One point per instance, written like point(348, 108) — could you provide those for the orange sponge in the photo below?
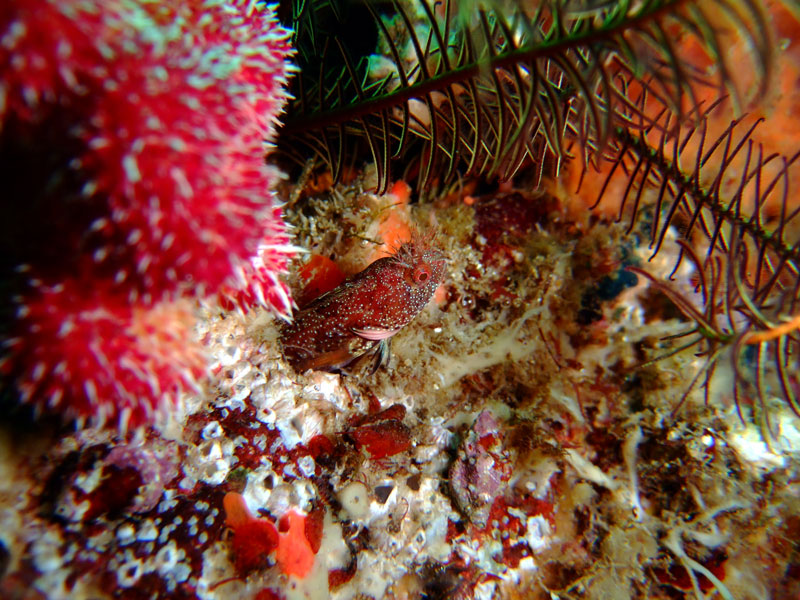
point(294, 555)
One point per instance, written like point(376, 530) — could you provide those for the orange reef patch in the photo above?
point(295, 555)
point(394, 228)
point(320, 275)
point(295, 542)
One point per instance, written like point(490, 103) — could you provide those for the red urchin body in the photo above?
point(91, 355)
point(171, 105)
point(138, 132)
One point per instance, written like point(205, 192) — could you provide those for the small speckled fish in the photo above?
point(364, 312)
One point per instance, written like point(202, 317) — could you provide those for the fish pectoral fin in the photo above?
point(371, 360)
point(375, 334)
point(383, 354)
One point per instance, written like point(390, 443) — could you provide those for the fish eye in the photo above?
point(421, 274)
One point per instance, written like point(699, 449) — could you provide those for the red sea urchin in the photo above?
point(138, 130)
point(90, 354)
point(172, 103)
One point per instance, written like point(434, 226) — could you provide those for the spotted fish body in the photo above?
point(365, 311)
